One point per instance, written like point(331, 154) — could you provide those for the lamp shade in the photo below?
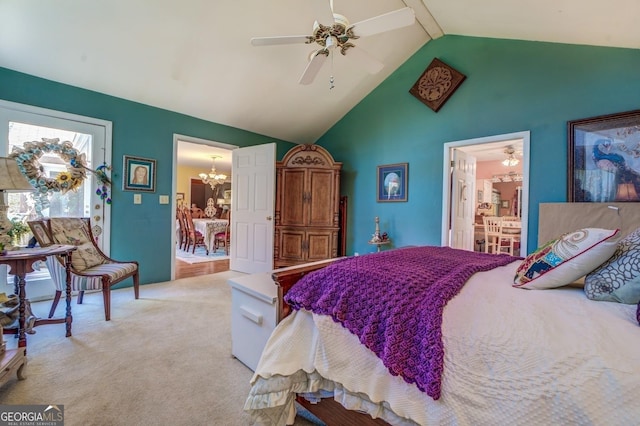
point(10, 177)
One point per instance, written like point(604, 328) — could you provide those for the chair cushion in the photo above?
point(115, 270)
point(73, 231)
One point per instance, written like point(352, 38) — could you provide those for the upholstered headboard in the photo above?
point(558, 218)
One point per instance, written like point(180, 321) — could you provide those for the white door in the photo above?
point(463, 178)
point(92, 137)
point(252, 208)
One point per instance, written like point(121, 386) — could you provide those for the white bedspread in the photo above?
point(512, 356)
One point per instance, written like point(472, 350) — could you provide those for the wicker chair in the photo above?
point(91, 269)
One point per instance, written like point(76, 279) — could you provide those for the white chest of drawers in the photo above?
point(254, 303)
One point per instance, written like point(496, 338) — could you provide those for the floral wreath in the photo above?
point(70, 180)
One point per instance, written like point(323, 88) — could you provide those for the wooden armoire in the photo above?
point(307, 219)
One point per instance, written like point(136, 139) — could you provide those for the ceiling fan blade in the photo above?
point(313, 67)
point(386, 22)
point(323, 10)
point(270, 41)
point(364, 59)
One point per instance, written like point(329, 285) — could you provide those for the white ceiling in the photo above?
point(194, 56)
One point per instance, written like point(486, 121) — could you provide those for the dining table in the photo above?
point(209, 227)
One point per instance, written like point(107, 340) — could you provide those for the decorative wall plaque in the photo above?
point(436, 84)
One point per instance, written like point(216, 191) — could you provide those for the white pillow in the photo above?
point(563, 260)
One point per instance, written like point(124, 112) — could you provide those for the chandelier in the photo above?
point(511, 159)
point(213, 178)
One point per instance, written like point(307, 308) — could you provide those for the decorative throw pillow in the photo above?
point(73, 231)
point(565, 259)
point(618, 279)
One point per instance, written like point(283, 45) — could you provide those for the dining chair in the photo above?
point(194, 236)
point(184, 228)
point(511, 231)
point(497, 240)
point(91, 269)
point(223, 238)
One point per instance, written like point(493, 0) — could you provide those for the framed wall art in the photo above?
point(39, 230)
point(604, 158)
point(392, 182)
point(436, 84)
point(139, 174)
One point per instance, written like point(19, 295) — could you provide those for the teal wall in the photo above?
point(140, 232)
point(511, 86)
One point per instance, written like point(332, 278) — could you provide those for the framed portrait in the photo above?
point(604, 158)
point(39, 230)
point(227, 196)
point(139, 174)
point(392, 182)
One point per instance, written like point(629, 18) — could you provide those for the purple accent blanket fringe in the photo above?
point(393, 301)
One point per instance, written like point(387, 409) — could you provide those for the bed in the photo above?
point(509, 356)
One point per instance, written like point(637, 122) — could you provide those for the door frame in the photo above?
point(525, 136)
point(177, 138)
point(106, 127)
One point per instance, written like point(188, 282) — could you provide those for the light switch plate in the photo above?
point(164, 199)
point(137, 198)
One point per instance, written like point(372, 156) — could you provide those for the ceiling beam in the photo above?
point(425, 18)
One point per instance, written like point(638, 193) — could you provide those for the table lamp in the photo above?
point(11, 180)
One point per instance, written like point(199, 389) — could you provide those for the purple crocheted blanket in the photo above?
point(393, 301)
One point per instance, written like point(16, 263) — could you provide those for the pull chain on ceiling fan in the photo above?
point(339, 35)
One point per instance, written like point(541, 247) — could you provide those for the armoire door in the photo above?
point(293, 205)
point(321, 205)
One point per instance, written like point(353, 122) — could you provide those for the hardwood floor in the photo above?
point(186, 270)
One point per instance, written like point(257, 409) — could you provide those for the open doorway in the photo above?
point(489, 186)
point(193, 156)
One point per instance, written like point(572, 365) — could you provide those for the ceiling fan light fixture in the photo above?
point(511, 159)
point(339, 34)
point(331, 42)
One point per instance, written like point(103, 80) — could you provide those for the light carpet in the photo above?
point(164, 359)
point(200, 255)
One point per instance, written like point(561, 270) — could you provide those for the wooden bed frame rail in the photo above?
point(285, 278)
point(327, 410)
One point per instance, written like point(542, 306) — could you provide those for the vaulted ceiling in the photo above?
point(195, 56)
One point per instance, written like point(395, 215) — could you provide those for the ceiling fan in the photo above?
point(333, 31)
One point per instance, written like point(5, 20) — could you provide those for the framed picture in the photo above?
point(180, 198)
point(392, 182)
point(227, 196)
point(139, 174)
point(604, 158)
point(436, 84)
point(40, 233)
point(504, 204)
